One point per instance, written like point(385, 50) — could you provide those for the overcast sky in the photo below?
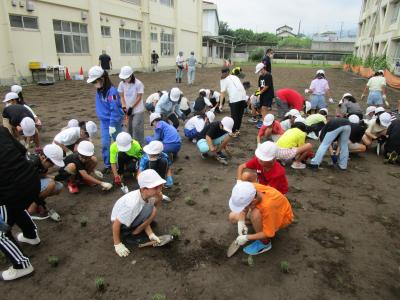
point(267, 15)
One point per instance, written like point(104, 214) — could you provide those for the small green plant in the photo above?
point(159, 296)
point(189, 201)
point(83, 221)
point(250, 261)
point(205, 189)
point(284, 266)
point(257, 54)
point(175, 232)
point(100, 284)
point(53, 261)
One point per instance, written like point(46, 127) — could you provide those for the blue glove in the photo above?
point(334, 159)
point(169, 182)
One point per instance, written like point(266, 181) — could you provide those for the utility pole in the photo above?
point(298, 31)
point(341, 29)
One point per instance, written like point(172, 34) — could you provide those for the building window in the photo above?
point(169, 3)
point(395, 12)
point(154, 36)
point(106, 31)
point(136, 2)
point(130, 41)
point(167, 44)
point(71, 37)
point(24, 22)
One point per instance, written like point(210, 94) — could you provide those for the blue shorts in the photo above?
point(44, 183)
point(318, 101)
point(202, 144)
point(375, 98)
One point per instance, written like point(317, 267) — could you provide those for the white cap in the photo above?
point(73, 123)
point(308, 106)
point(28, 126)
point(210, 115)
point(266, 151)
point(300, 119)
point(354, 119)
point(370, 109)
point(346, 95)
point(379, 110)
point(126, 72)
point(227, 124)
point(55, 154)
point(124, 141)
point(381, 71)
point(94, 73)
point(385, 119)
point(86, 148)
point(324, 109)
point(154, 116)
point(154, 148)
point(10, 96)
point(16, 88)
point(293, 112)
point(268, 119)
point(242, 194)
point(175, 94)
point(320, 72)
point(91, 128)
point(149, 179)
point(259, 67)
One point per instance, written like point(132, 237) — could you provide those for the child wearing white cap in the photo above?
point(215, 137)
point(316, 122)
point(78, 169)
point(271, 129)
point(154, 158)
point(70, 137)
point(269, 211)
point(169, 106)
point(319, 87)
point(196, 124)
point(125, 154)
point(358, 128)
point(16, 97)
point(133, 213)
point(348, 106)
point(289, 118)
point(377, 129)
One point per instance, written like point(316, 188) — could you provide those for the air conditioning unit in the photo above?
point(14, 3)
point(30, 6)
point(21, 3)
point(83, 15)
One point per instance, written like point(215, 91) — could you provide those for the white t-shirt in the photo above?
point(216, 96)
point(68, 136)
point(234, 88)
point(195, 122)
point(286, 124)
point(184, 105)
point(130, 91)
point(127, 208)
point(180, 60)
point(376, 83)
point(153, 98)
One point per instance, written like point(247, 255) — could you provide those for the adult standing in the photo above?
point(108, 110)
point(16, 172)
point(231, 85)
point(131, 92)
point(179, 67)
point(154, 61)
point(105, 61)
point(269, 54)
point(377, 89)
point(191, 61)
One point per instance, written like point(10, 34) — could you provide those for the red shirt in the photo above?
point(291, 97)
point(276, 129)
point(275, 177)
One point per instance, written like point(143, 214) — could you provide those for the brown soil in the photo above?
point(344, 243)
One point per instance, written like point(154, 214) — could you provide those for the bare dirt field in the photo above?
point(344, 243)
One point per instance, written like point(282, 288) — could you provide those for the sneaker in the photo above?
point(40, 214)
point(53, 215)
point(259, 124)
point(72, 187)
point(313, 166)
point(12, 273)
point(298, 165)
point(204, 155)
point(222, 158)
point(392, 158)
point(22, 239)
point(166, 199)
point(253, 120)
point(257, 247)
point(235, 134)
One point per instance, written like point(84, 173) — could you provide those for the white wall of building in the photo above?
point(210, 23)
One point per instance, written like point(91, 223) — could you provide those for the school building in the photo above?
point(73, 33)
point(379, 30)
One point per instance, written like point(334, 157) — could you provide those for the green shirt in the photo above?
point(134, 151)
point(315, 119)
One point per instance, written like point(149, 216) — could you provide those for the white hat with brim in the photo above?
point(154, 116)
point(266, 151)
point(370, 109)
point(28, 127)
point(154, 148)
point(10, 96)
point(86, 148)
point(94, 73)
point(379, 110)
point(354, 119)
point(149, 179)
point(268, 120)
point(16, 88)
point(385, 119)
point(55, 154)
point(259, 67)
point(227, 124)
point(242, 194)
point(175, 94)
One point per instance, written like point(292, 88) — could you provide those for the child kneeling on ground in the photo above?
point(269, 211)
point(196, 124)
point(79, 166)
point(133, 213)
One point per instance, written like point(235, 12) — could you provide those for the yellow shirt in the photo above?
point(292, 138)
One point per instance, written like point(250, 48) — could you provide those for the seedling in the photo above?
point(205, 189)
point(250, 261)
point(83, 221)
point(159, 296)
point(100, 284)
point(284, 266)
point(175, 232)
point(53, 261)
point(189, 201)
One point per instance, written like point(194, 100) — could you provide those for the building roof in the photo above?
point(285, 26)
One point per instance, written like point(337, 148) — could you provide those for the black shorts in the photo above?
point(266, 101)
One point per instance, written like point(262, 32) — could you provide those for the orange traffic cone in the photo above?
point(67, 76)
point(81, 71)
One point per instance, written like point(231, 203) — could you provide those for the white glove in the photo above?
point(331, 100)
point(112, 130)
point(241, 240)
point(98, 173)
point(155, 238)
point(106, 186)
point(242, 228)
point(68, 152)
point(121, 250)
point(306, 91)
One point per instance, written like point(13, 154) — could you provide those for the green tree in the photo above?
point(224, 29)
point(294, 42)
